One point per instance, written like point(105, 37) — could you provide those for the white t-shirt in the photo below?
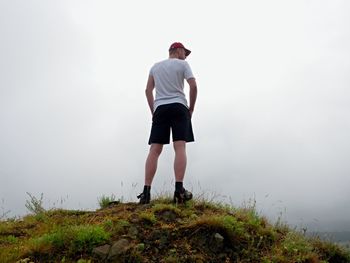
point(169, 76)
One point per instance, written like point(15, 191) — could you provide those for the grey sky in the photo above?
point(271, 122)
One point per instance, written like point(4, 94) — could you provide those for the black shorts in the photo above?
point(175, 117)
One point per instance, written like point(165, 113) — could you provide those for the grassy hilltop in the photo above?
point(199, 231)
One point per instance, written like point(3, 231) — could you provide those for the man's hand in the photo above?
point(193, 93)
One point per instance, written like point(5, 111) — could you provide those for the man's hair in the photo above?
point(172, 51)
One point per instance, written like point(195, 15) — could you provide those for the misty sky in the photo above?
point(272, 116)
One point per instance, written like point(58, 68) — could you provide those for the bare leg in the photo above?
point(180, 160)
point(151, 162)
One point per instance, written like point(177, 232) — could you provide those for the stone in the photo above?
point(134, 220)
point(118, 248)
point(218, 242)
point(133, 232)
point(101, 251)
point(218, 237)
point(169, 216)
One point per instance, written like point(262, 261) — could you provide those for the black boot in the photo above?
point(145, 196)
point(181, 196)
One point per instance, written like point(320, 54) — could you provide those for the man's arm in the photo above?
point(149, 93)
point(193, 93)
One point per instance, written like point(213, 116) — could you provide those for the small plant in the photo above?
point(35, 205)
point(164, 198)
point(104, 201)
point(296, 246)
point(12, 239)
point(121, 224)
point(87, 236)
point(165, 207)
point(108, 224)
point(75, 239)
point(330, 251)
point(48, 242)
point(148, 217)
point(115, 226)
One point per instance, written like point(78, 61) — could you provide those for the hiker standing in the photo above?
point(170, 111)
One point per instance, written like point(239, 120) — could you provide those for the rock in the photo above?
point(118, 248)
point(101, 251)
point(133, 232)
point(218, 237)
point(134, 220)
point(218, 242)
point(167, 216)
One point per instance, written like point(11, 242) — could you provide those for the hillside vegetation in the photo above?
point(199, 231)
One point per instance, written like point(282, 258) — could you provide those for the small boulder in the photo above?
point(101, 251)
point(218, 242)
point(167, 215)
point(118, 248)
point(133, 232)
point(218, 238)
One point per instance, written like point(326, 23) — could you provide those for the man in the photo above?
point(170, 111)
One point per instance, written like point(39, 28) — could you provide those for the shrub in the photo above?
point(104, 201)
point(35, 205)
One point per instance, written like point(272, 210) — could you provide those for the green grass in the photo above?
point(160, 232)
point(105, 201)
point(69, 240)
point(148, 217)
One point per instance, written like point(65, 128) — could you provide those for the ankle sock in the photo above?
point(178, 186)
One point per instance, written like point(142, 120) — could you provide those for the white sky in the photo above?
point(272, 116)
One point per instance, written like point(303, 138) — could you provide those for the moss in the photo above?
point(148, 217)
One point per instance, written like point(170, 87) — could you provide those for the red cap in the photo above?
point(179, 45)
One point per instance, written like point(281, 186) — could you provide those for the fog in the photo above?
point(271, 122)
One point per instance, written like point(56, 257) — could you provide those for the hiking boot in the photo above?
point(180, 197)
point(145, 196)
